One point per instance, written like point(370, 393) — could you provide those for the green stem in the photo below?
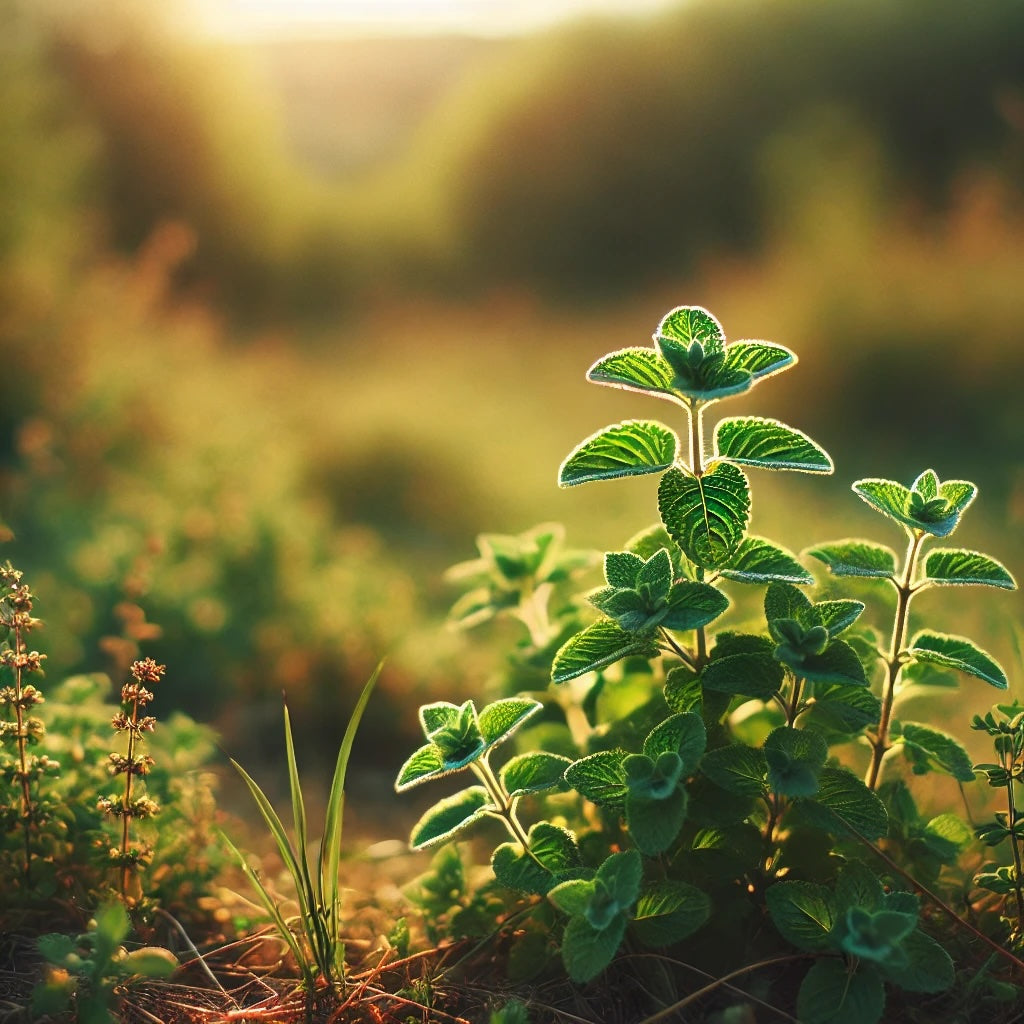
point(682, 653)
point(22, 735)
point(894, 663)
point(794, 705)
point(696, 411)
point(506, 811)
point(1014, 842)
point(125, 816)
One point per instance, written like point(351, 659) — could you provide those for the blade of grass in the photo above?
point(314, 922)
point(275, 914)
point(277, 830)
point(330, 846)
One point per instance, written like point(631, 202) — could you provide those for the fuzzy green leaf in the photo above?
point(835, 616)
point(682, 734)
point(927, 505)
point(426, 763)
point(857, 558)
point(600, 644)
point(622, 567)
point(692, 605)
point(737, 769)
point(669, 911)
point(769, 444)
point(756, 675)
point(439, 715)
point(929, 749)
point(804, 914)
point(846, 708)
point(795, 758)
point(956, 567)
point(832, 993)
point(654, 824)
point(707, 516)
point(621, 873)
point(842, 799)
point(838, 663)
point(759, 358)
point(449, 816)
point(759, 561)
point(599, 778)
point(587, 951)
point(573, 896)
point(635, 369)
point(554, 847)
point(534, 772)
point(858, 886)
point(784, 601)
point(631, 448)
point(648, 542)
point(957, 652)
point(687, 324)
point(929, 967)
point(499, 720)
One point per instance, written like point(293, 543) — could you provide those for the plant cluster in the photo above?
point(686, 793)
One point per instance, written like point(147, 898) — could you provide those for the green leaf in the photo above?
point(534, 773)
point(957, 652)
point(804, 914)
point(784, 601)
point(499, 720)
point(631, 448)
point(858, 886)
point(847, 708)
point(692, 605)
point(929, 967)
point(857, 558)
point(877, 935)
point(426, 763)
point(706, 515)
point(687, 324)
point(929, 749)
point(635, 369)
point(439, 715)
point(769, 444)
point(654, 824)
point(587, 951)
point(149, 962)
point(756, 675)
point(759, 561)
point(927, 506)
point(599, 778)
point(842, 800)
point(737, 769)
point(621, 873)
point(832, 993)
point(599, 645)
point(621, 567)
point(835, 616)
point(759, 358)
point(838, 663)
point(668, 912)
point(956, 567)
point(554, 847)
point(794, 757)
point(682, 734)
point(573, 896)
point(449, 816)
point(653, 539)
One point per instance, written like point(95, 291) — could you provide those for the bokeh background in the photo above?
point(292, 306)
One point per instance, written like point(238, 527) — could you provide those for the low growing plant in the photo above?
point(315, 938)
point(693, 785)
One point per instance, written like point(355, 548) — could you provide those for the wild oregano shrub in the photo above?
point(680, 785)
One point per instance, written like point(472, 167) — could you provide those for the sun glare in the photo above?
point(490, 17)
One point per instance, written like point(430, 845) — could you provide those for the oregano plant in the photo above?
point(682, 781)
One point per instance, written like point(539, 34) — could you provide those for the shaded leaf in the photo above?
point(692, 605)
point(554, 847)
point(599, 778)
point(929, 967)
point(654, 824)
point(682, 734)
point(804, 914)
point(842, 799)
point(737, 769)
point(838, 663)
point(631, 448)
point(500, 719)
point(587, 951)
point(669, 911)
point(929, 749)
point(832, 993)
point(756, 675)
point(769, 444)
point(957, 652)
point(621, 567)
point(794, 758)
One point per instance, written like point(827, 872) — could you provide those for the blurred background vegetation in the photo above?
point(285, 322)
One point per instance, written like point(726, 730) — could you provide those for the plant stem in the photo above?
point(19, 711)
point(794, 705)
point(483, 771)
point(126, 803)
point(683, 654)
point(894, 664)
point(696, 411)
point(1014, 842)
